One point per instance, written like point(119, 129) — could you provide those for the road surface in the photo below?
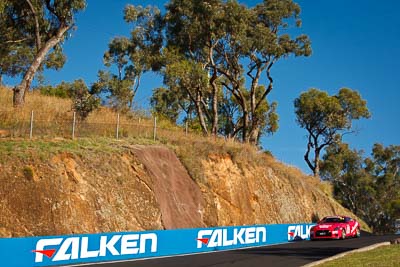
point(285, 255)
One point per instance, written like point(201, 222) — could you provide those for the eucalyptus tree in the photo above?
point(32, 32)
point(235, 44)
point(193, 29)
point(132, 56)
point(384, 167)
point(257, 36)
point(187, 78)
point(369, 187)
point(225, 50)
point(326, 118)
point(345, 169)
point(165, 104)
point(14, 55)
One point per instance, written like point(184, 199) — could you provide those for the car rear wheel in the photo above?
point(343, 234)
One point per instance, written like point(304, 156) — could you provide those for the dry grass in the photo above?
point(47, 108)
point(326, 187)
point(53, 118)
point(385, 256)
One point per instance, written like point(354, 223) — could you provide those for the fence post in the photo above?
point(117, 126)
point(73, 126)
point(155, 129)
point(186, 128)
point(31, 128)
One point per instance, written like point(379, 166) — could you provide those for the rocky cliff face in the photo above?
point(147, 187)
point(261, 195)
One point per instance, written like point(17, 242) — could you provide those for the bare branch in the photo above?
point(306, 156)
point(53, 11)
point(16, 41)
point(270, 85)
point(37, 26)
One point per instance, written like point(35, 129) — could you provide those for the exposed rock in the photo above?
point(4, 232)
point(147, 187)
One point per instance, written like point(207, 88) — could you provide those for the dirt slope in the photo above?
point(179, 197)
point(146, 187)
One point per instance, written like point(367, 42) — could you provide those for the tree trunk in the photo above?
point(201, 115)
point(254, 135)
point(307, 156)
point(214, 106)
point(20, 90)
point(213, 78)
point(245, 125)
point(316, 163)
point(255, 127)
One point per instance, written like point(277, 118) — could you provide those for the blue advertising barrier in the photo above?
point(74, 249)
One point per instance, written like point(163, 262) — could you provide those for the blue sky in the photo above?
point(356, 44)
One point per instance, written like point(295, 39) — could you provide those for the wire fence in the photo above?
point(19, 124)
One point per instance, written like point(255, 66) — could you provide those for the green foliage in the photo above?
point(56, 59)
point(220, 36)
point(28, 173)
point(83, 101)
point(188, 86)
point(326, 118)
point(25, 28)
point(132, 57)
point(31, 34)
point(164, 104)
point(118, 91)
point(61, 90)
point(13, 53)
point(369, 187)
point(200, 47)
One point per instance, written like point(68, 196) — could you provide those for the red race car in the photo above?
point(335, 227)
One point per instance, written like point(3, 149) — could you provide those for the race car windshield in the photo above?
point(332, 220)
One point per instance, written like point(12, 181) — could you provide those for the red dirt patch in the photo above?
point(179, 197)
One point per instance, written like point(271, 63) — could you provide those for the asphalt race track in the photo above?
point(285, 255)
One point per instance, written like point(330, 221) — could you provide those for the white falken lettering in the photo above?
point(62, 253)
point(104, 245)
point(227, 237)
point(73, 248)
point(302, 231)
point(85, 253)
point(42, 243)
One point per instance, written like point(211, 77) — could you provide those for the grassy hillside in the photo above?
point(240, 185)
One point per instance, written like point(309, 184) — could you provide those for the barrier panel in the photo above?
point(86, 248)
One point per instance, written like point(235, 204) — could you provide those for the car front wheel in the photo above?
point(358, 233)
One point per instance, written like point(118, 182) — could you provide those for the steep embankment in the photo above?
point(79, 188)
